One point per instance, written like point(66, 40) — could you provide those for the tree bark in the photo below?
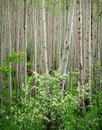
point(67, 42)
point(44, 56)
point(10, 46)
point(80, 55)
point(25, 42)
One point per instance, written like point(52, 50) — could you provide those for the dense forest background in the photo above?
point(50, 65)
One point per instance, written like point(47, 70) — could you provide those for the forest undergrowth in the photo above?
point(40, 105)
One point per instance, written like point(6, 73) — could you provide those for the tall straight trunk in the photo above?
point(84, 37)
point(10, 45)
point(21, 46)
point(40, 40)
point(98, 33)
point(80, 56)
point(65, 53)
point(90, 47)
point(17, 49)
point(1, 57)
point(35, 36)
point(25, 42)
point(52, 50)
point(49, 39)
point(44, 57)
point(67, 42)
point(60, 34)
point(35, 43)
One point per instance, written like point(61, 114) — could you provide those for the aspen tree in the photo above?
point(35, 35)
point(25, 42)
point(65, 52)
point(1, 56)
point(90, 47)
point(92, 36)
point(100, 45)
point(98, 31)
point(65, 16)
point(80, 57)
point(57, 45)
point(60, 33)
point(21, 44)
point(10, 45)
point(49, 38)
point(100, 41)
point(40, 39)
point(84, 37)
point(53, 34)
point(17, 48)
point(44, 57)
point(35, 41)
point(74, 64)
point(86, 40)
point(67, 42)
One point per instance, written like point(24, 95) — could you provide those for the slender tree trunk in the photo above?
point(35, 36)
point(35, 42)
point(17, 50)
point(67, 42)
point(84, 38)
point(60, 34)
point(10, 46)
point(98, 33)
point(90, 48)
point(44, 58)
point(1, 57)
point(25, 42)
point(80, 56)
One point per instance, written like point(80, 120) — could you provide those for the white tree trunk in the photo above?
point(44, 57)
point(10, 46)
point(17, 49)
point(35, 38)
point(80, 55)
point(25, 42)
point(90, 49)
point(1, 56)
point(67, 42)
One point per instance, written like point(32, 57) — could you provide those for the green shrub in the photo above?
point(46, 110)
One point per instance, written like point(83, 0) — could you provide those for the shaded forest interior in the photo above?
point(50, 65)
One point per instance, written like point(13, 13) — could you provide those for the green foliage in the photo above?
point(14, 58)
point(91, 120)
point(46, 109)
point(28, 64)
point(97, 76)
point(5, 70)
point(68, 112)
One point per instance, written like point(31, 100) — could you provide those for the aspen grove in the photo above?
point(50, 65)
